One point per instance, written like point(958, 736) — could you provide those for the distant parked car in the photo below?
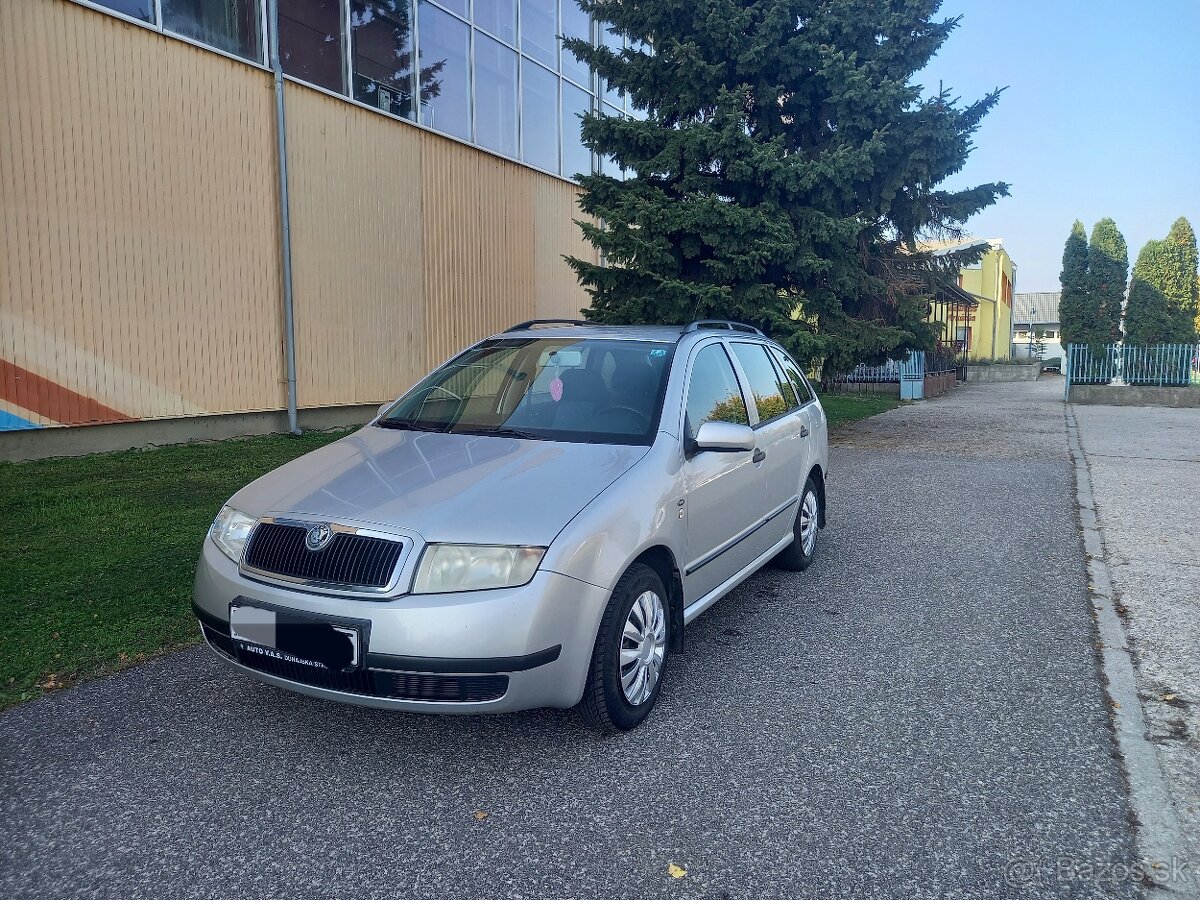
point(532, 525)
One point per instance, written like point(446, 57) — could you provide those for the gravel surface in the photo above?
point(1145, 470)
point(919, 715)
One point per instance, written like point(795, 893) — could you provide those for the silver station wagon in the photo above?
point(532, 525)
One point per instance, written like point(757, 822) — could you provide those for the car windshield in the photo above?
point(558, 389)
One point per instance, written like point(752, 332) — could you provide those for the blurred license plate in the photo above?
point(294, 637)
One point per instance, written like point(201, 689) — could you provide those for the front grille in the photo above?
point(350, 559)
point(392, 685)
point(356, 682)
point(447, 688)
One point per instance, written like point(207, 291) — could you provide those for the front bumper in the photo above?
point(519, 648)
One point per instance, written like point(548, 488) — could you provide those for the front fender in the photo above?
point(638, 511)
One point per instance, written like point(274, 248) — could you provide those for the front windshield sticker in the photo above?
point(658, 353)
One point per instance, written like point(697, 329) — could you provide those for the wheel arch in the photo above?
point(818, 477)
point(660, 558)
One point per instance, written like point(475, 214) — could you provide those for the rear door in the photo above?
point(813, 415)
point(781, 432)
point(725, 491)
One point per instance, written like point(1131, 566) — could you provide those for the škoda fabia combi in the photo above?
point(532, 525)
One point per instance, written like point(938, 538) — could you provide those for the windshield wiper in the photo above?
point(502, 431)
point(412, 425)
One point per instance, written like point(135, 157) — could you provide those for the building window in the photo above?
point(575, 24)
point(310, 42)
point(498, 18)
point(462, 79)
point(230, 25)
point(382, 61)
point(495, 95)
point(445, 44)
point(539, 31)
point(615, 43)
point(135, 9)
point(576, 158)
point(539, 116)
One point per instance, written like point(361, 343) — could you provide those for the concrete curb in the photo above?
point(1158, 834)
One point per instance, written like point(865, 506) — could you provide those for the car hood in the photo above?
point(460, 488)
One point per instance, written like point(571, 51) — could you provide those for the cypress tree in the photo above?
point(1147, 311)
point(1180, 282)
point(1108, 273)
point(782, 171)
point(1073, 312)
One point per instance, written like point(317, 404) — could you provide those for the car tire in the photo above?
point(612, 699)
point(798, 555)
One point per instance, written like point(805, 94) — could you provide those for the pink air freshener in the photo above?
point(556, 389)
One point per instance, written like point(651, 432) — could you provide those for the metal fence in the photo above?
point(887, 373)
point(1160, 365)
point(909, 373)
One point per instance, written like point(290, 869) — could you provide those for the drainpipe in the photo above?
point(996, 304)
point(289, 321)
point(1012, 316)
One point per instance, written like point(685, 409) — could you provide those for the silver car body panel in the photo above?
point(596, 507)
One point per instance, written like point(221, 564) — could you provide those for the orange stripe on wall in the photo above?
point(53, 401)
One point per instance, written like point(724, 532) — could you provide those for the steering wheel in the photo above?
point(643, 419)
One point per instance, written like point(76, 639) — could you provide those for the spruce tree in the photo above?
point(1147, 311)
point(1073, 312)
point(1180, 282)
point(1108, 273)
point(782, 171)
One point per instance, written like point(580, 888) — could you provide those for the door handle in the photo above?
point(758, 456)
point(803, 431)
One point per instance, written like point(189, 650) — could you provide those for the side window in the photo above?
point(714, 394)
point(771, 398)
point(803, 389)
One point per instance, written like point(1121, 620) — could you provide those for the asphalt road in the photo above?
point(918, 715)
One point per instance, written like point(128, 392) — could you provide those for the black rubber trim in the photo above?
point(490, 665)
point(772, 517)
point(209, 620)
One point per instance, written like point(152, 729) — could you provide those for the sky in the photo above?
point(1101, 117)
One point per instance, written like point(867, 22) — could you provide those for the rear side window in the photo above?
point(773, 396)
point(713, 392)
point(803, 388)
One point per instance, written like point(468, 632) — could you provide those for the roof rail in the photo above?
point(525, 326)
point(721, 323)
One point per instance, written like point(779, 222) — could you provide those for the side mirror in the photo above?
point(724, 437)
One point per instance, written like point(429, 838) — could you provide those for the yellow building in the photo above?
point(984, 331)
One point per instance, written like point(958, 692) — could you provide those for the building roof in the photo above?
point(1038, 307)
point(942, 248)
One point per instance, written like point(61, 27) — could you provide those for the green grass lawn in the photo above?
point(98, 573)
point(97, 570)
point(841, 409)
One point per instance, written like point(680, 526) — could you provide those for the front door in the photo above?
point(725, 490)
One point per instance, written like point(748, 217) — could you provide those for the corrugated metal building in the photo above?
point(141, 273)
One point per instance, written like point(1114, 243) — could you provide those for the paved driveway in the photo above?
point(919, 715)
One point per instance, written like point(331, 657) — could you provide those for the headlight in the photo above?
point(473, 567)
point(230, 531)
